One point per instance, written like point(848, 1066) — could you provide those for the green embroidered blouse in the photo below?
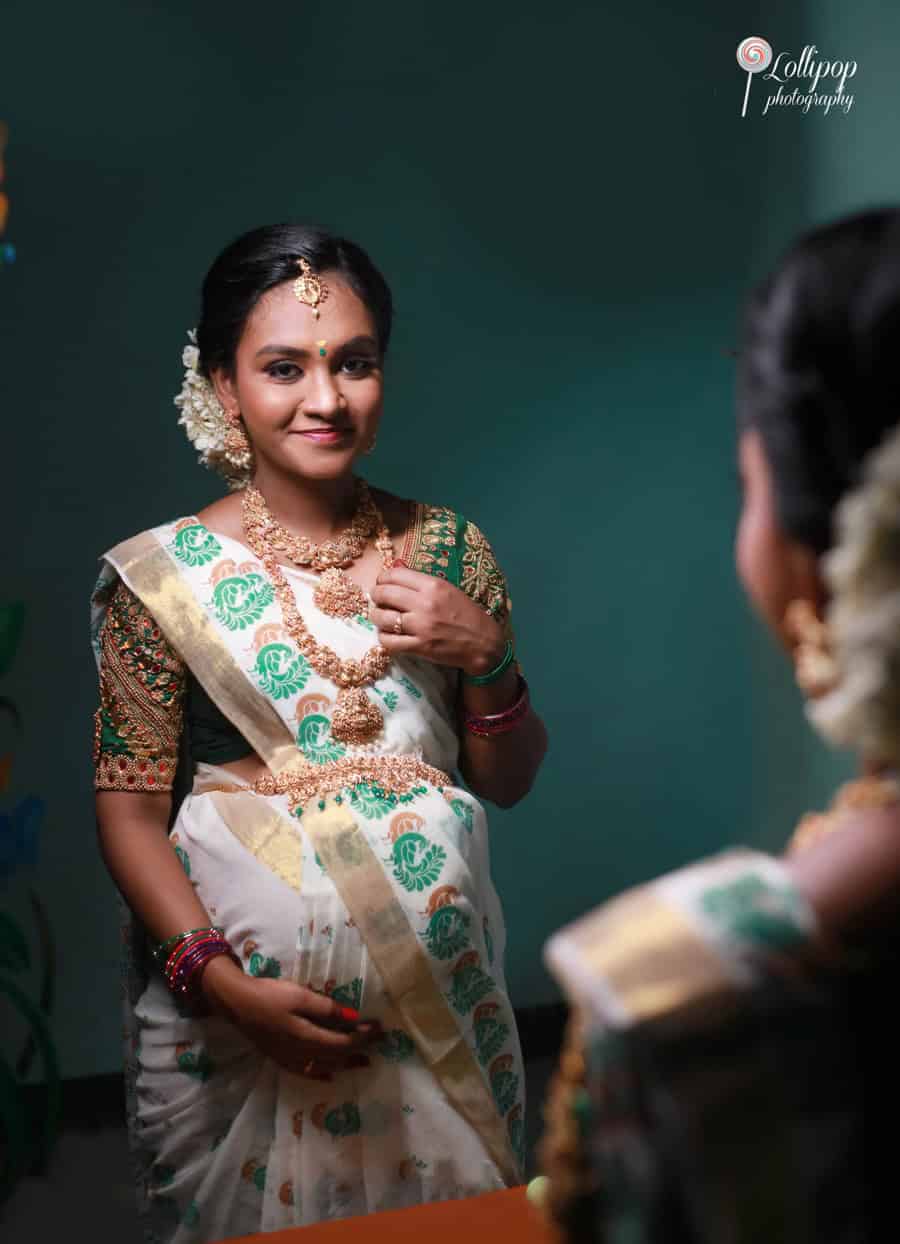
point(154, 717)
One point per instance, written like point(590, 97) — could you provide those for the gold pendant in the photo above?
point(337, 595)
point(355, 718)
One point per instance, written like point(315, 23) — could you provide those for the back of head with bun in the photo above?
point(819, 369)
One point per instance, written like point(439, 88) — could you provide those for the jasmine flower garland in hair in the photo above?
point(203, 418)
point(863, 576)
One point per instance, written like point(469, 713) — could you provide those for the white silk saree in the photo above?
point(376, 891)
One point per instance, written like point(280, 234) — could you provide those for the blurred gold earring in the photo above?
point(237, 447)
point(815, 668)
point(371, 448)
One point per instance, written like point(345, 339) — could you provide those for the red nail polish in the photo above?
point(348, 1014)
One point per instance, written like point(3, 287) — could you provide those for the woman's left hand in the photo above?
point(439, 621)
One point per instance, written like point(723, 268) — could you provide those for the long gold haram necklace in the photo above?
point(355, 719)
point(335, 594)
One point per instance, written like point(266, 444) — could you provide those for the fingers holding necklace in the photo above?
point(396, 597)
point(394, 609)
point(393, 633)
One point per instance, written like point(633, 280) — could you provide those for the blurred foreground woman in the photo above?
point(726, 1069)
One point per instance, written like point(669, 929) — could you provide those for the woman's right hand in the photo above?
point(301, 1030)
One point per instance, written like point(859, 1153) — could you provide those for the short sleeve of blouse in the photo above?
point(446, 544)
point(138, 725)
point(481, 577)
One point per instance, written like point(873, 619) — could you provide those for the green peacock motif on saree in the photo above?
point(343, 1120)
point(315, 741)
point(470, 983)
point(395, 1046)
point(447, 932)
point(371, 801)
point(490, 1032)
point(410, 686)
point(239, 600)
point(349, 994)
point(194, 1063)
point(194, 545)
point(755, 911)
point(390, 698)
point(464, 811)
point(254, 1172)
point(515, 1127)
point(281, 672)
point(263, 966)
point(504, 1083)
point(417, 862)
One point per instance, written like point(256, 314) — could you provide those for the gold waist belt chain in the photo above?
point(395, 779)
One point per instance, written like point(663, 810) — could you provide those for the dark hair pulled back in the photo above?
point(819, 369)
point(263, 258)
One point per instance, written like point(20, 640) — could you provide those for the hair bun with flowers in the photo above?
point(863, 576)
point(204, 420)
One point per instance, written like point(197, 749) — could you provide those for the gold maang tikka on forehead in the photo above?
point(309, 288)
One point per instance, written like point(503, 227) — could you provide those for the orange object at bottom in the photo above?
point(495, 1216)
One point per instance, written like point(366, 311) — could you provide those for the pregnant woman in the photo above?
point(290, 679)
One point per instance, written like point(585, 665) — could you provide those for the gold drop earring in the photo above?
point(815, 667)
point(237, 447)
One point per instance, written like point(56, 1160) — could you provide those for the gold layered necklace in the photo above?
point(336, 594)
point(355, 719)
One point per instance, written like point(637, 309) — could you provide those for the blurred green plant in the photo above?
point(25, 1141)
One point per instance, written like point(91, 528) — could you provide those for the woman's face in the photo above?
point(773, 568)
point(309, 390)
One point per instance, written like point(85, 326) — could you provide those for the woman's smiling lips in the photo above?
point(325, 436)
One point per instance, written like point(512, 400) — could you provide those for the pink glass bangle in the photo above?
point(166, 948)
point(200, 938)
point(191, 957)
point(487, 725)
point(185, 964)
point(186, 982)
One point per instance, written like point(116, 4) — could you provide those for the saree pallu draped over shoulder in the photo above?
point(712, 1078)
point(376, 890)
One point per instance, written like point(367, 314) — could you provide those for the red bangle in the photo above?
point(190, 955)
point(186, 945)
point(485, 726)
point(186, 981)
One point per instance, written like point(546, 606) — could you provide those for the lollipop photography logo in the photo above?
point(803, 81)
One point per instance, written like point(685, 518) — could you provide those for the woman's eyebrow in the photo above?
point(295, 352)
point(291, 351)
point(362, 342)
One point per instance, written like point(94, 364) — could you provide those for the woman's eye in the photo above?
point(283, 370)
point(357, 366)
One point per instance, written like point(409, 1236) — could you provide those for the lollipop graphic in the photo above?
point(754, 54)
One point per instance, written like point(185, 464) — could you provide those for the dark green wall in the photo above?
point(569, 208)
